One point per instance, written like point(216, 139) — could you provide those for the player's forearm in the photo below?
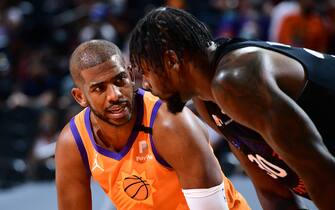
point(271, 201)
point(70, 204)
point(74, 206)
point(321, 192)
point(280, 206)
point(73, 197)
point(310, 160)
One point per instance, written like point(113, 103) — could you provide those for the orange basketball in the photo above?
point(136, 188)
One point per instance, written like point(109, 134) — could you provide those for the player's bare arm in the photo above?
point(183, 134)
point(246, 89)
point(271, 195)
point(198, 170)
point(72, 180)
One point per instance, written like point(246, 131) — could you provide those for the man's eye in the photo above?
point(97, 89)
point(120, 81)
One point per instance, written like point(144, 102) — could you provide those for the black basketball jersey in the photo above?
point(317, 100)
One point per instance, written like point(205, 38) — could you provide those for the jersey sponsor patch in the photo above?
point(143, 154)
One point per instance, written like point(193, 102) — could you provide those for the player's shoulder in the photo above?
point(69, 159)
point(65, 138)
point(181, 133)
point(165, 119)
point(66, 132)
point(241, 55)
point(239, 66)
point(184, 122)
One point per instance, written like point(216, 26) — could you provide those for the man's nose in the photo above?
point(145, 84)
point(113, 92)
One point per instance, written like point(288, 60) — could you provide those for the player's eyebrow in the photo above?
point(96, 83)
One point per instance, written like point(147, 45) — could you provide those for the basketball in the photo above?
point(136, 188)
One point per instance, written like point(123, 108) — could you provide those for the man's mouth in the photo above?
point(119, 110)
point(117, 107)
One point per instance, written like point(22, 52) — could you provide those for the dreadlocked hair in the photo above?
point(164, 29)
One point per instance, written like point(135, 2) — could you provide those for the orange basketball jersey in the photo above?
point(136, 177)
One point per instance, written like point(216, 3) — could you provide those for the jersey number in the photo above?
point(271, 169)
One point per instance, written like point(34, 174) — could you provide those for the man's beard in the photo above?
point(175, 103)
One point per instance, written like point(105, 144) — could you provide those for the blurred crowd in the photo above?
point(37, 37)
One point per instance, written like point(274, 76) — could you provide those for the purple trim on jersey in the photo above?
point(80, 145)
point(131, 139)
point(152, 120)
point(140, 91)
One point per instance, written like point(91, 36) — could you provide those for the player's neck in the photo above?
point(200, 79)
point(112, 137)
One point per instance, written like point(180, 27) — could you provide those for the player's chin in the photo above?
point(161, 95)
point(120, 121)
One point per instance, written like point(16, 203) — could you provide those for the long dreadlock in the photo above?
point(164, 29)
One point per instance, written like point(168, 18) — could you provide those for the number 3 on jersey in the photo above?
point(271, 169)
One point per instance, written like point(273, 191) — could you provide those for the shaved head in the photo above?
point(90, 54)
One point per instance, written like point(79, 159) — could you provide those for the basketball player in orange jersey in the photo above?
point(142, 156)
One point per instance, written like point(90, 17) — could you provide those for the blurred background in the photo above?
point(37, 38)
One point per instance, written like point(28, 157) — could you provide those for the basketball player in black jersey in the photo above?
point(273, 103)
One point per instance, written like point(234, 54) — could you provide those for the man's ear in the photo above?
point(171, 60)
point(79, 96)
